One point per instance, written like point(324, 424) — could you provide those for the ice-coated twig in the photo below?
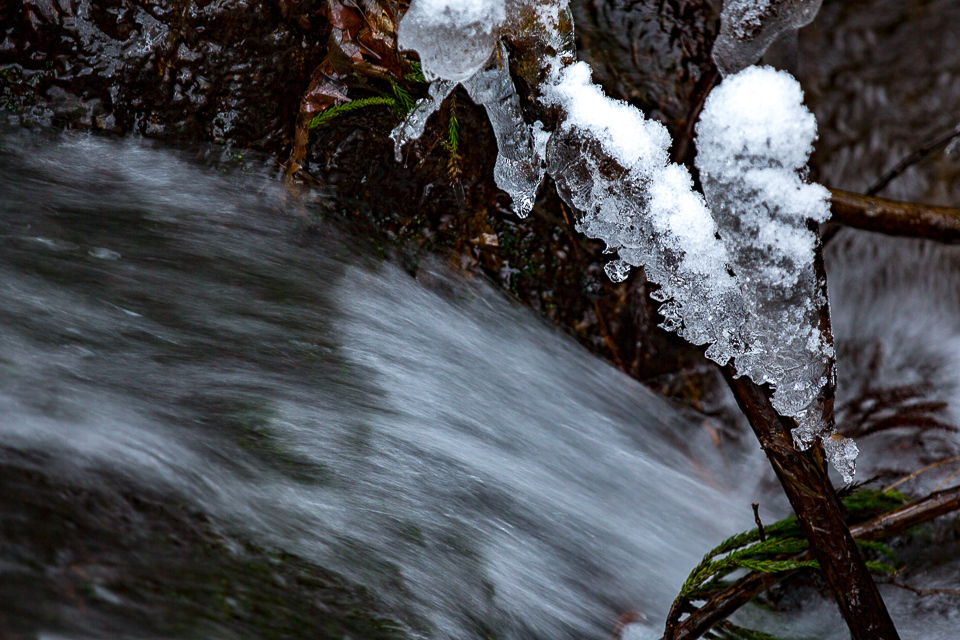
point(753, 140)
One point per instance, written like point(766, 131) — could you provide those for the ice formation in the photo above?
point(519, 168)
point(749, 27)
point(735, 270)
point(453, 37)
point(753, 140)
point(611, 164)
point(436, 30)
point(415, 123)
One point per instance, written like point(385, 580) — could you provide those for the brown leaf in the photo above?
point(324, 92)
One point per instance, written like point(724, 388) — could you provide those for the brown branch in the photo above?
point(804, 479)
point(895, 218)
point(933, 465)
point(907, 516)
point(724, 603)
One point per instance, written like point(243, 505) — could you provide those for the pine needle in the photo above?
point(324, 117)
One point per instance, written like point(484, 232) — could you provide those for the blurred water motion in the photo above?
point(176, 333)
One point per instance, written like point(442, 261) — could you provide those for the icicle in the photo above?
point(749, 27)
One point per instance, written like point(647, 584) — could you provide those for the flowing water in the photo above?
point(421, 436)
point(191, 334)
point(203, 386)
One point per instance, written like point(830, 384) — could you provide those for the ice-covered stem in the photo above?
point(802, 473)
point(804, 479)
point(753, 141)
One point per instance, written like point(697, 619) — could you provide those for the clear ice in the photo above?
point(749, 27)
point(415, 123)
point(735, 267)
point(753, 142)
point(454, 38)
point(458, 43)
point(519, 169)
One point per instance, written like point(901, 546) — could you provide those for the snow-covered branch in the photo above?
point(735, 270)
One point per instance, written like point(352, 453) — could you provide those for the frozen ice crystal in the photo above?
point(415, 123)
point(454, 38)
point(749, 27)
point(842, 453)
point(617, 270)
point(611, 164)
point(457, 43)
point(753, 141)
point(519, 168)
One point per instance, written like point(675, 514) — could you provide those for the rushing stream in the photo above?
point(420, 436)
point(190, 338)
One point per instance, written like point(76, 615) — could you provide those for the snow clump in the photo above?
point(754, 139)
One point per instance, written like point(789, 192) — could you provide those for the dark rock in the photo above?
point(225, 71)
point(236, 72)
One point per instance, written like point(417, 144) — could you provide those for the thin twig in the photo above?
point(912, 159)
point(948, 479)
point(756, 518)
point(916, 473)
point(923, 592)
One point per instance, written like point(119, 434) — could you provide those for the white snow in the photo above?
point(753, 139)
point(734, 268)
point(622, 130)
point(645, 209)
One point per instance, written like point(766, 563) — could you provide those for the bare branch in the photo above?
point(913, 158)
point(895, 218)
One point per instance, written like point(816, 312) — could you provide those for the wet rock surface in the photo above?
point(236, 72)
point(225, 71)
